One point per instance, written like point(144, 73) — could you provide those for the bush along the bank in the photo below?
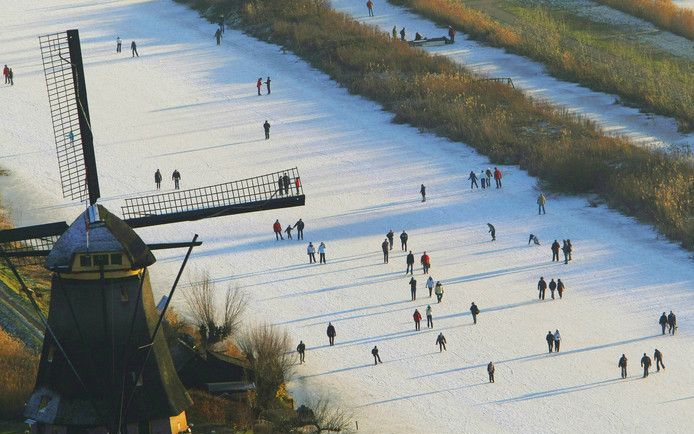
point(434, 93)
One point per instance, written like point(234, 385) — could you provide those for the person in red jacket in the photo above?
point(6, 73)
point(277, 227)
point(259, 84)
point(417, 318)
point(497, 177)
point(426, 262)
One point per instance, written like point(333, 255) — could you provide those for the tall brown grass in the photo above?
point(18, 366)
point(434, 93)
point(663, 13)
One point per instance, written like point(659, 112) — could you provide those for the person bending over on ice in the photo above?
point(492, 231)
point(377, 358)
point(533, 238)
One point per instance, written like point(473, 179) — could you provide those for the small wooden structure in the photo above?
point(427, 42)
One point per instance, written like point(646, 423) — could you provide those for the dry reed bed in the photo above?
point(662, 13)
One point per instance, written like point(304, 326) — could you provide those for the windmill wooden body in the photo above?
point(104, 367)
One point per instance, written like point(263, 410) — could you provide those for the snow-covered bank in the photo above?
point(647, 129)
point(190, 105)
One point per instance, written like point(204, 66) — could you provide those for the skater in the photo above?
point(417, 319)
point(474, 310)
point(6, 74)
point(267, 84)
point(533, 238)
point(473, 180)
point(658, 357)
point(560, 288)
point(410, 263)
point(672, 323)
point(430, 285)
point(413, 288)
point(550, 340)
point(565, 250)
point(541, 200)
point(11, 77)
point(321, 252)
point(370, 6)
point(417, 36)
point(645, 363)
point(277, 227)
point(384, 247)
point(402, 38)
point(288, 231)
point(552, 288)
point(395, 32)
point(377, 358)
point(301, 349)
point(492, 231)
point(133, 48)
point(285, 183)
point(541, 287)
point(280, 186)
point(483, 180)
point(490, 371)
point(297, 184)
point(157, 179)
point(266, 127)
point(430, 317)
point(438, 290)
point(299, 229)
point(426, 262)
point(218, 36)
point(390, 235)
point(488, 174)
point(423, 192)
point(663, 321)
point(119, 44)
point(259, 85)
point(403, 241)
point(331, 331)
point(451, 34)
point(176, 176)
point(311, 251)
point(441, 342)
point(497, 177)
point(557, 340)
point(623, 364)
point(555, 251)
point(569, 248)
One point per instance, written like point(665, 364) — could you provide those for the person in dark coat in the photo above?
point(541, 287)
point(285, 183)
point(119, 44)
point(663, 321)
point(390, 235)
point(403, 241)
point(384, 247)
point(623, 364)
point(645, 363)
point(402, 38)
point(451, 34)
point(288, 231)
point(552, 288)
point(492, 231)
point(533, 238)
point(672, 323)
point(377, 358)
point(658, 357)
point(301, 349)
point(266, 127)
point(474, 310)
point(280, 186)
point(413, 288)
point(157, 180)
point(560, 287)
point(550, 341)
point(473, 180)
point(565, 249)
point(417, 319)
point(418, 37)
point(218, 36)
point(423, 192)
point(555, 251)
point(176, 176)
point(331, 333)
point(490, 371)
point(410, 263)
point(569, 248)
point(441, 342)
point(133, 48)
point(299, 229)
point(267, 85)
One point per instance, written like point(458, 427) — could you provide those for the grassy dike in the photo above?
point(662, 13)
point(433, 93)
point(571, 48)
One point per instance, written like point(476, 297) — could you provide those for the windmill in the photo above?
point(104, 366)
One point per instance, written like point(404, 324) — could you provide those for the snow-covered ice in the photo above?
point(190, 105)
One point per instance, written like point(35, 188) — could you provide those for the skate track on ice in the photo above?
point(190, 105)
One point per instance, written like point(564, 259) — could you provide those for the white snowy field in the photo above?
point(644, 128)
point(187, 104)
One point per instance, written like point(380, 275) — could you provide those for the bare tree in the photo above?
point(269, 352)
point(329, 416)
point(215, 322)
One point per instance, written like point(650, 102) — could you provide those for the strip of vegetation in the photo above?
point(511, 128)
point(663, 13)
point(567, 45)
point(18, 365)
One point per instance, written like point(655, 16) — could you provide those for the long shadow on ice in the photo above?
point(418, 395)
point(561, 391)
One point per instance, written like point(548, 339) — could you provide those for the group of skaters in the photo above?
point(669, 321)
point(259, 85)
point(565, 247)
point(485, 178)
point(646, 363)
point(553, 286)
point(553, 341)
point(417, 36)
point(175, 177)
point(133, 47)
point(283, 183)
point(299, 226)
point(9, 75)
